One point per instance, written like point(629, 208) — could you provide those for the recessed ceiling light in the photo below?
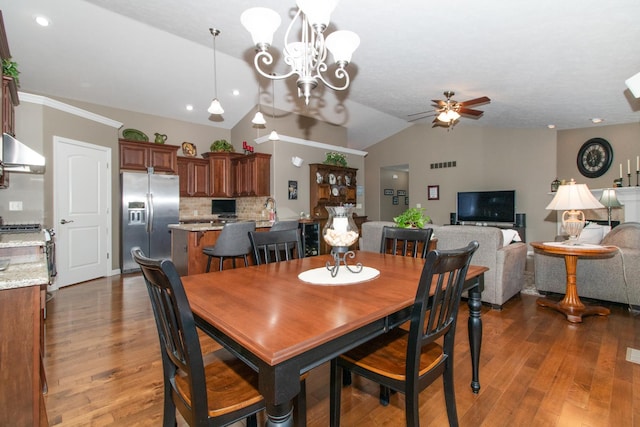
point(42, 20)
point(597, 120)
point(189, 107)
point(551, 126)
point(236, 92)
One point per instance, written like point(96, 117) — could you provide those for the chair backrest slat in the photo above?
point(405, 241)
point(276, 246)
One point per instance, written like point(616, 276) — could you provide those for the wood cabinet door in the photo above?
point(221, 180)
point(184, 172)
point(134, 156)
point(163, 158)
point(200, 178)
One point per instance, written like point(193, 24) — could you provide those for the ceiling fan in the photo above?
point(447, 113)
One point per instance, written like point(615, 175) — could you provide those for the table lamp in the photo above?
point(609, 200)
point(571, 198)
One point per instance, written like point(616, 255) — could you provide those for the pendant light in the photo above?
point(215, 107)
point(273, 136)
point(258, 119)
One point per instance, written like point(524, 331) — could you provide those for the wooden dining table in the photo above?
point(284, 327)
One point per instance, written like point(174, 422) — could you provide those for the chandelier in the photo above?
point(307, 56)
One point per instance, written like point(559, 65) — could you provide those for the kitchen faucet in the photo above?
point(273, 208)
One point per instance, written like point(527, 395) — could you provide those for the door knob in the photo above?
point(64, 221)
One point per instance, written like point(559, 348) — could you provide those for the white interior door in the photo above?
point(82, 213)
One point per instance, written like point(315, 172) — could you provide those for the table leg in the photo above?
point(571, 306)
point(474, 325)
point(279, 386)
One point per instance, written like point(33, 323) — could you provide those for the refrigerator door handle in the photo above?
point(150, 212)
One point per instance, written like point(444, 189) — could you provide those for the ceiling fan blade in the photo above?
point(417, 114)
point(476, 101)
point(470, 112)
point(415, 119)
point(439, 102)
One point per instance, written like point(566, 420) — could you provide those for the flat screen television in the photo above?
point(223, 207)
point(486, 206)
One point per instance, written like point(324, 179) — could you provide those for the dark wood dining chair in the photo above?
point(408, 361)
point(405, 241)
point(276, 246)
point(223, 391)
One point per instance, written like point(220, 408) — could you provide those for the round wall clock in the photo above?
point(595, 157)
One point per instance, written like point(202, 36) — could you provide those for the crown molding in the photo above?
point(315, 144)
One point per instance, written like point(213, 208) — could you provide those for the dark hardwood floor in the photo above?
point(103, 367)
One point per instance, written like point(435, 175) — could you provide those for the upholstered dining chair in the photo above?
point(231, 243)
point(405, 241)
point(276, 246)
point(223, 391)
point(408, 361)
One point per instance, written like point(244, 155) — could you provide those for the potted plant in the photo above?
point(412, 218)
point(221, 145)
point(336, 159)
point(10, 69)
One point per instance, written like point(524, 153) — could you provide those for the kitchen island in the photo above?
point(189, 239)
point(23, 283)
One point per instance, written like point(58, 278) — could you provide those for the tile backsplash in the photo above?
point(246, 207)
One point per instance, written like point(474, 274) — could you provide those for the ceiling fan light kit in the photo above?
point(307, 57)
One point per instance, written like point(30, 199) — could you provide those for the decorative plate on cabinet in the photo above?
point(134, 135)
point(189, 150)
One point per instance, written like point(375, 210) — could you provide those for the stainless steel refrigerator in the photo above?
point(150, 202)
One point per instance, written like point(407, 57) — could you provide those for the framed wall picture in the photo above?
point(388, 191)
point(406, 200)
point(293, 190)
point(402, 192)
point(433, 192)
point(395, 200)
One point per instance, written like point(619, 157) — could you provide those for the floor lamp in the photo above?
point(609, 200)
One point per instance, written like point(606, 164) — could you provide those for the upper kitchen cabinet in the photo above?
point(138, 155)
point(221, 174)
point(194, 177)
point(9, 96)
point(252, 175)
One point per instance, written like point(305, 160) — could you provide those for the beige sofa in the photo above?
point(615, 279)
point(506, 263)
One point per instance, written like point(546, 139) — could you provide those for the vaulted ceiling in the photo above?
point(541, 62)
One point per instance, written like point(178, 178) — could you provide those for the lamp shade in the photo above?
point(258, 119)
point(261, 22)
point(318, 12)
point(633, 83)
point(574, 196)
point(342, 44)
point(215, 107)
point(609, 198)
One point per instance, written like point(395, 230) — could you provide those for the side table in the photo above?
point(571, 305)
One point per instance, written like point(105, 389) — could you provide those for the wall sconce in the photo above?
point(297, 161)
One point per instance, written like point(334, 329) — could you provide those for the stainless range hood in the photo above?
point(17, 157)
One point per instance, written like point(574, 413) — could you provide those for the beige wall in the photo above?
point(486, 159)
point(387, 181)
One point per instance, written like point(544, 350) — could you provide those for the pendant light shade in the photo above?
point(273, 136)
point(215, 107)
point(258, 119)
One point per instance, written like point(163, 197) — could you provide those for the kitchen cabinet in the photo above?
point(194, 177)
point(331, 186)
point(252, 175)
point(221, 175)
point(140, 155)
point(9, 101)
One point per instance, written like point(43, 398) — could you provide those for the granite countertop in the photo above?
point(212, 226)
point(25, 274)
point(18, 240)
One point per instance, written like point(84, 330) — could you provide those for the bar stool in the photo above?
point(233, 243)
